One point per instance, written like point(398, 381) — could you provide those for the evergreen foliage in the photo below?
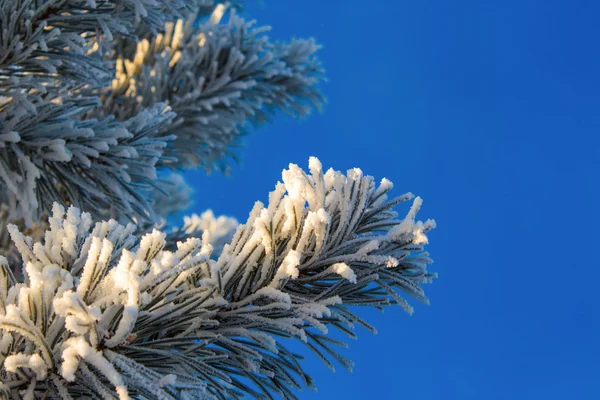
point(103, 103)
point(103, 313)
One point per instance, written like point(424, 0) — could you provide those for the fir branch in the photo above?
point(216, 78)
point(48, 154)
point(7, 247)
point(60, 38)
point(56, 144)
point(102, 314)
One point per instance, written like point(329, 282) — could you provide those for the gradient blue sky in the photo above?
point(489, 110)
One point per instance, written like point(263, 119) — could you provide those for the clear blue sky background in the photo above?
point(489, 110)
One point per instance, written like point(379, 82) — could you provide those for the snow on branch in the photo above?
point(89, 113)
point(103, 313)
point(216, 77)
point(49, 154)
point(60, 39)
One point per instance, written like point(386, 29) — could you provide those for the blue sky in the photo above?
point(489, 110)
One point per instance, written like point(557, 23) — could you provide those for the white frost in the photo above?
point(32, 361)
point(345, 271)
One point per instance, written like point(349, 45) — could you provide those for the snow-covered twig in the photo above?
point(95, 96)
point(104, 314)
point(217, 77)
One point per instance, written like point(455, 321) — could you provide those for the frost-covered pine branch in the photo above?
point(82, 124)
point(59, 39)
point(52, 56)
point(221, 230)
point(216, 78)
point(51, 155)
point(7, 248)
point(105, 314)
